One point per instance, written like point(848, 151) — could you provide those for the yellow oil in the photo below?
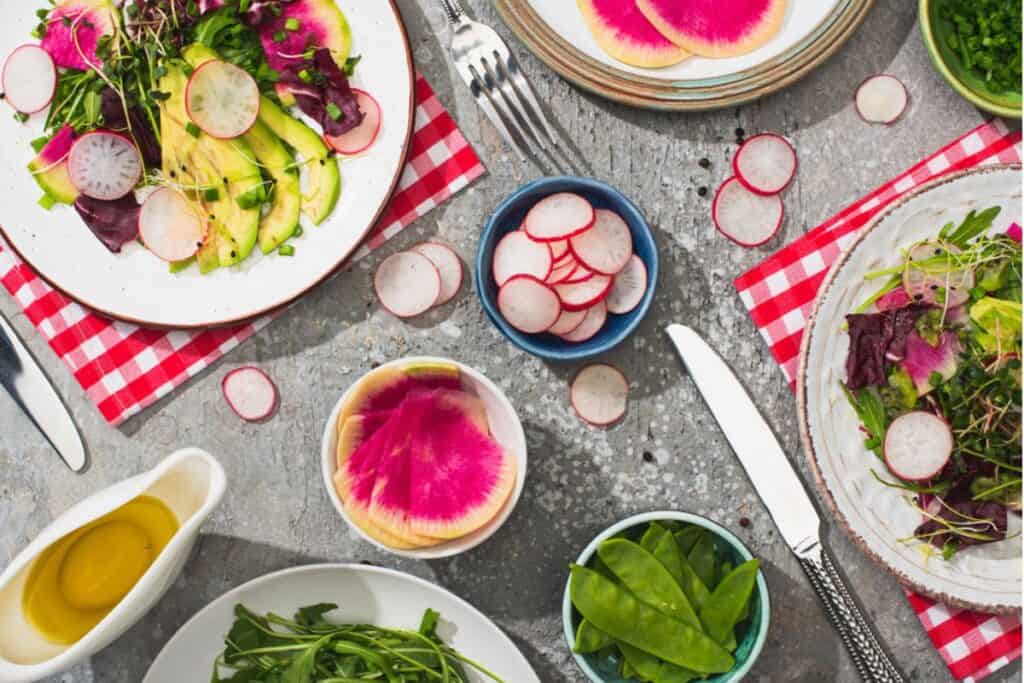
point(75, 582)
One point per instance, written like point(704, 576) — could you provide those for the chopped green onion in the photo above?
point(20, 117)
point(305, 76)
point(47, 201)
point(334, 112)
point(286, 250)
point(291, 24)
point(298, 231)
point(192, 129)
point(279, 36)
point(211, 194)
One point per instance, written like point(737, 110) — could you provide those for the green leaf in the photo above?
point(871, 412)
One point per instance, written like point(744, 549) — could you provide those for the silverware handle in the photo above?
point(872, 662)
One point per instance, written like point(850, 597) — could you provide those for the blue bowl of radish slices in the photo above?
point(566, 267)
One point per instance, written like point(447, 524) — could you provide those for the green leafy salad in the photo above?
point(985, 35)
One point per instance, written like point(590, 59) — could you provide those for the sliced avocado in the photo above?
point(55, 181)
point(280, 222)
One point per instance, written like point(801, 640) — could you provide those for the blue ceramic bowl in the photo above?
point(509, 216)
point(751, 635)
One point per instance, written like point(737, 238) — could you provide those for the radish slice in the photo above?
point(599, 394)
point(407, 283)
point(517, 254)
point(170, 226)
point(765, 164)
point(918, 445)
point(746, 218)
point(591, 325)
point(250, 393)
point(360, 138)
point(559, 250)
point(607, 246)
point(561, 273)
point(104, 165)
point(528, 304)
point(448, 265)
point(628, 287)
point(567, 322)
point(581, 295)
point(29, 79)
point(925, 286)
point(881, 99)
point(558, 217)
point(222, 99)
point(581, 274)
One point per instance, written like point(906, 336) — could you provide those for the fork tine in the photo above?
point(482, 101)
point(515, 101)
point(511, 65)
point(495, 97)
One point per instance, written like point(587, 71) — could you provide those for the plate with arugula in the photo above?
point(909, 389)
point(185, 163)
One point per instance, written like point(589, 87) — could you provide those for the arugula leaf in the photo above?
point(974, 225)
point(871, 412)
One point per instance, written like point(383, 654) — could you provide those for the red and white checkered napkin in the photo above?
point(779, 294)
point(124, 368)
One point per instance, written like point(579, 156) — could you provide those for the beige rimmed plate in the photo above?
point(878, 518)
point(812, 31)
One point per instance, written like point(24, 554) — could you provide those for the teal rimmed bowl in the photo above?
point(751, 637)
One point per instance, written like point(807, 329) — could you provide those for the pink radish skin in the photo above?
point(558, 217)
point(560, 274)
point(517, 254)
point(599, 393)
point(765, 164)
point(584, 294)
point(528, 304)
point(222, 99)
point(362, 137)
point(559, 250)
point(407, 284)
point(104, 165)
point(250, 393)
point(591, 325)
point(917, 446)
point(448, 265)
point(629, 287)
point(170, 226)
point(881, 99)
point(29, 79)
point(567, 322)
point(581, 274)
point(747, 219)
point(606, 246)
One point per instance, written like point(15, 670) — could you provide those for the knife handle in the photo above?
point(871, 661)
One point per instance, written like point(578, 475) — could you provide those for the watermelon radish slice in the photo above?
point(628, 287)
point(712, 28)
point(222, 99)
point(558, 216)
point(29, 79)
point(591, 325)
point(104, 165)
point(517, 254)
point(528, 304)
point(765, 164)
point(360, 138)
point(606, 246)
point(881, 99)
point(320, 24)
point(746, 218)
point(918, 445)
point(599, 394)
point(73, 30)
point(567, 322)
point(170, 226)
point(448, 265)
point(250, 392)
point(582, 295)
point(622, 31)
point(407, 284)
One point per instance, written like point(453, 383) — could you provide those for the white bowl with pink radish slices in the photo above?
point(424, 457)
point(566, 267)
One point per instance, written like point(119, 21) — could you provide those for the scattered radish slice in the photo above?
point(628, 287)
point(360, 138)
point(561, 273)
point(567, 322)
point(29, 79)
point(746, 218)
point(517, 254)
point(581, 295)
point(407, 283)
point(881, 99)
point(558, 217)
point(606, 246)
point(222, 99)
point(448, 265)
point(528, 304)
point(250, 393)
point(170, 226)
point(104, 165)
point(599, 394)
point(559, 250)
point(591, 325)
point(765, 164)
point(917, 445)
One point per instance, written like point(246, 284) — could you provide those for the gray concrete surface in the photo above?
point(277, 513)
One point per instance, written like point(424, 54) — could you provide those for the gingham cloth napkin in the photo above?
point(779, 294)
point(124, 368)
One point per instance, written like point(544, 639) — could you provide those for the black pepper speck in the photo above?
point(705, 163)
point(648, 456)
point(702, 191)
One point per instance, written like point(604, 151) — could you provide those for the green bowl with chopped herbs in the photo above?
point(976, 46)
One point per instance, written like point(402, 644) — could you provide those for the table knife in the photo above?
point(24, 380)
point(783, 493)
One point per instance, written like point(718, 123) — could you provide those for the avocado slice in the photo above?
point(278, 224)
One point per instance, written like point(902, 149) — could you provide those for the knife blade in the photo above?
point(25, 381)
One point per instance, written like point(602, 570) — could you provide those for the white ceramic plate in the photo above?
point(986, 577)
point(367, 594)
point(136, 286)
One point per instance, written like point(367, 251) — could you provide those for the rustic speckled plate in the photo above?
point(985, 578)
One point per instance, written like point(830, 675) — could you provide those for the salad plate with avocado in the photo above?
point(191, 163)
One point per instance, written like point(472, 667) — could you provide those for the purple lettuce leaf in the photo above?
point(325, 84)
point(876, 339)
point(114, 118)
point(115, 223)
point(977, 517)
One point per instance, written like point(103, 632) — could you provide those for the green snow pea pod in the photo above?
point(670, 673)
point(702, 559)
point(619, 613)
point(722, 611)
point(669, 555)
point(652, 535)
point(646, 578)
point(645, 665)
point(589, 638)
point(687, 537)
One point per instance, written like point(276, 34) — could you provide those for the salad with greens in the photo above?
point(985, 36)
point(199, 128)
point(934, 375)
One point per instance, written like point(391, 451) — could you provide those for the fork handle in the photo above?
point(453, 8)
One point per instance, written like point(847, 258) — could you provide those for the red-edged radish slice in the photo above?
point(591, 325)
point(917, 445)
point(562, 272)
point(581, 274)
point(607, 246)
point(628, 287)
point(170, 226)
point(448, 264)
point(528, 304)
point(599, 394)
point(104, 165)
point(567, 322)
point(407, 284)
point(250, 393)
point(881, 99)
point(517, 254)
point(559, 250)
point(558, 216)
point(360, 138)
point(765, 164)
point(746, 218)
point(29, 79)
point(581, 295)
point(222, 99)
point(925, 286)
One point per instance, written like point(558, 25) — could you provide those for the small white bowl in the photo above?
point(505, 427)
